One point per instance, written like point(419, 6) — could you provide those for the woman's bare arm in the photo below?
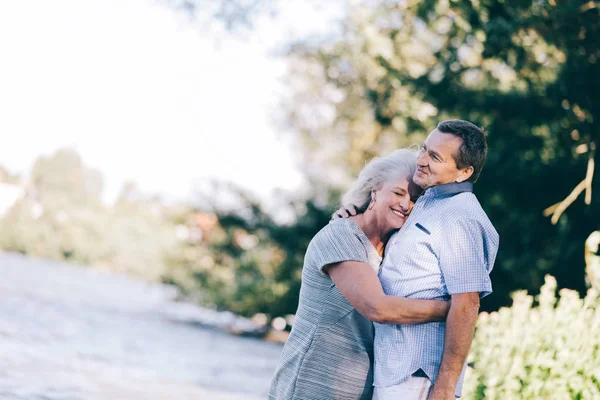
point(360, 285)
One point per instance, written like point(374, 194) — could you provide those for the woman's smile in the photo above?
point(399, 213)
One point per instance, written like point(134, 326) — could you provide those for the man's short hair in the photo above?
point(474, 147)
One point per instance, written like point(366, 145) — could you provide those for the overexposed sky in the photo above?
point(144, 95)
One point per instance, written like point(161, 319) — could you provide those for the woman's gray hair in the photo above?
point(401, 163)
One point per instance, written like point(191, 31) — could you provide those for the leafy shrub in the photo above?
point(547, 348)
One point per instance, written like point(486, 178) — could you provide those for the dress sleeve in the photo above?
point(467, 257)
point(335, 243)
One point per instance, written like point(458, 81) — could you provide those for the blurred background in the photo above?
point(166, 162)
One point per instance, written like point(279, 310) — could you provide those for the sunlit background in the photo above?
point(165, 164)
point(145, 94)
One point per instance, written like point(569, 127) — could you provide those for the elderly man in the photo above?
point(445, 250)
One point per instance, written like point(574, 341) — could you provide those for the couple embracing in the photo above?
point(388, 303)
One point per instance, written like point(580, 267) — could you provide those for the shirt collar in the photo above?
point(449, 189)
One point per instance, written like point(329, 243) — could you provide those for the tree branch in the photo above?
point(556, 210)
point(590, 174)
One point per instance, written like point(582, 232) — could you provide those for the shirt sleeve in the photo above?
point(336, 243)
point(464, 259)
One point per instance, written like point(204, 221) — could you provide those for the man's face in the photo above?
point(436, 165)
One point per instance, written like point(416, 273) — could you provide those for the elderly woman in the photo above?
point(329, 353)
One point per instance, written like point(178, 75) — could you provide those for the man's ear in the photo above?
point(464, 174)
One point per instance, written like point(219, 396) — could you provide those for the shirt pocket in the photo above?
point(422, 228)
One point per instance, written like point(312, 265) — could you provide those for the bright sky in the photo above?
point(144, 95)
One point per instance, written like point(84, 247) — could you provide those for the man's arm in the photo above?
point(460, 326)
point(360, 285)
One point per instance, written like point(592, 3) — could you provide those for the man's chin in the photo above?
point(421, 182)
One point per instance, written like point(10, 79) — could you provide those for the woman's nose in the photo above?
point(406, 204)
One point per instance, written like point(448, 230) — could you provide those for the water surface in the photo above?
point(70, 332)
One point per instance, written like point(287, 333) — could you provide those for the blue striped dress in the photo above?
point(329, 353)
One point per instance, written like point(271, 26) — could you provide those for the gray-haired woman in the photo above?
point(329, 353)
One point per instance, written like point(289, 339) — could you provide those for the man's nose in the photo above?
point(422, 159)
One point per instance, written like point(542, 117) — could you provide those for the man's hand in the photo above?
point(345, 212)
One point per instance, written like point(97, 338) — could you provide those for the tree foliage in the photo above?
point(62, 217)
point(235, 15)
point(527, 71)
point(248, 261)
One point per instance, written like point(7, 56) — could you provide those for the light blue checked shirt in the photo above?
point(447, 246)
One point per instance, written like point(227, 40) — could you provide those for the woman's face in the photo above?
point(393, 203)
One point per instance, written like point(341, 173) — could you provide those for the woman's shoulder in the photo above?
point(338, 241)
point(339, 228)
point(339, 234)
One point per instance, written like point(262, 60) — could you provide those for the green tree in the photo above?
point(62, 217)
point(249, 262)
point(63, 178)
point(527, 71)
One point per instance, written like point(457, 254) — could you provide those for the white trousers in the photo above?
point(414, 388)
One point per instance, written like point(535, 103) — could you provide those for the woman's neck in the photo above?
point(372, 230)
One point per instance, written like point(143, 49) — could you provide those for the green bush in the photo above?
point(547, 348)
